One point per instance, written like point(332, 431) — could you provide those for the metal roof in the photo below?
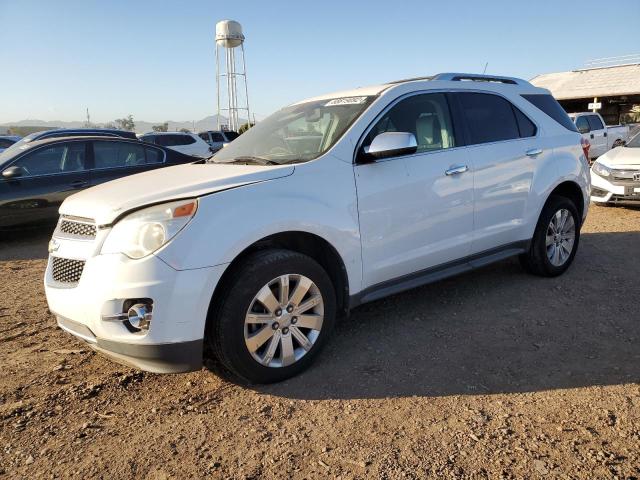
point(594, 82)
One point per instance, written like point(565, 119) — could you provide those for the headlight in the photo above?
point(601, 169)
point(145, 231)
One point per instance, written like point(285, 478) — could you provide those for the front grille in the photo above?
point(65, 270)
point(77, 229)
point(627, 178)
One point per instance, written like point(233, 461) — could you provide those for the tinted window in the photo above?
point(174, 140)
point(231, 136)
point(117, 154)
point(153, 155)
point(61, 158)
point(6, 143)
point(204, 136)
point(217, 137)
point(426, 116)
point(594, 122)
point(148, 138)
point(582, 124)
point(551, 107)
point(526, 126)
point(489, 118)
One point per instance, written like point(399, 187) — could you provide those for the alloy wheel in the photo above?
point(284, 320)
point(561, 236)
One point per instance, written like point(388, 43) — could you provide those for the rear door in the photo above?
point(504, 146)
point(111, 159)
point(50, 174)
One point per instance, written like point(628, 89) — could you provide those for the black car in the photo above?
point(39, 175)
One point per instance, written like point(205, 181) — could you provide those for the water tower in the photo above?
point(234, 72)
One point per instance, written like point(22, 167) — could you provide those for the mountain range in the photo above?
point(142, 126)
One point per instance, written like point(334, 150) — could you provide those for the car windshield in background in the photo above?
point(19, 146)
point(634, 142)
point(297, 133)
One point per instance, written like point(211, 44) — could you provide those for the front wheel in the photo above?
point(275, 314)
point(555, 240)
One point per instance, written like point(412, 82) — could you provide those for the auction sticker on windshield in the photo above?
point(346, 101)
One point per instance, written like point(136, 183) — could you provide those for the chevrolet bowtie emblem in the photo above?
point(53, 246)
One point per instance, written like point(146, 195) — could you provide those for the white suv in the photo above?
point(328, 203)
point(183, 142)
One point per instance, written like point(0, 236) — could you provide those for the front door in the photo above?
point(416, 210)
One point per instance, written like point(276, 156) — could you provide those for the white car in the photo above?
point(615, 176)
point(217, 139)
point(187, 143)
point(328, 203)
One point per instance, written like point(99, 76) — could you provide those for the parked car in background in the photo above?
point(217, 139)
point(7, 140)
point(615, 176)
point(187, 143)
point(602, 138)
point(36, 179)
point(326, 204)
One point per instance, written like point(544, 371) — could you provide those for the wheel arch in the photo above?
point(571, 190)
point(306, 243)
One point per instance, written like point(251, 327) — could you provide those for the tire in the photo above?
point(537, 260)
point(229, 334)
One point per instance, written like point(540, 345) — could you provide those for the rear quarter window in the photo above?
point(552, 108)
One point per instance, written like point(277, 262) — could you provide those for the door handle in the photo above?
point(533, 152)
point(592, 136)
point(456, 170)
point(79, 183)
point(605, 134)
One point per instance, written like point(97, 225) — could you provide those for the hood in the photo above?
point(621, 157)
point(104, 203)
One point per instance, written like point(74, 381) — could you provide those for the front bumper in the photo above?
point(604, 190)
point(174, 340)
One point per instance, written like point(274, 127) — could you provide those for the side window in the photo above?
point(148, 138)
point(582, 124)
point(182, 139)
point(5, 143)
point(526, 126)
point(489, 118)
point(426, 116)
point(595, 123)
point(217, 137)
point(204, 136)
point(117, 154)
point(154, 155)
point(61, 158)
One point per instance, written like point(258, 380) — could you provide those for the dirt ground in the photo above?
point(494, 374)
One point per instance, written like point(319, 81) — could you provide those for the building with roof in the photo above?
point(609, 86)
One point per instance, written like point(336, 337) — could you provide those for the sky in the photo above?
point(155, 59)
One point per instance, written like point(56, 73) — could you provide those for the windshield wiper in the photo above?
point(249, 160)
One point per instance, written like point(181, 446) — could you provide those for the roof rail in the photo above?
point(474, 77)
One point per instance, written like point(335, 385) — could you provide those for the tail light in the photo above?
point(586, 145)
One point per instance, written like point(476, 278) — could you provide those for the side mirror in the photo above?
point(392, 144)
point(583, 129)
point(13, 172)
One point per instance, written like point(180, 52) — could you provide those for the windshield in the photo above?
point(19, 146)
point(297, 133)
point(634, 142)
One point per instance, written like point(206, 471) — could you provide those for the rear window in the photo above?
point(172, 140)
point(551, 107)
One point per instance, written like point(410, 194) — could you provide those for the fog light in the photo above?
point(139, 316)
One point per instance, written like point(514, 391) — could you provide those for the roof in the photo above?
point(595, 82)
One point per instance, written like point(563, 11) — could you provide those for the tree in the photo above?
point(126, 123)
point(110, 125)
point(244, 127)
point(161, 128)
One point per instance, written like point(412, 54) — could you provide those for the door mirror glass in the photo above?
point(13, 172)
point(582, 124)
point(392, 144)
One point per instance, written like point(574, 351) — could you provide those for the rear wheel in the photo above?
point(555, 240)
point(275, 314)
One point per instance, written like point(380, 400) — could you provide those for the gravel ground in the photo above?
point(493, 374)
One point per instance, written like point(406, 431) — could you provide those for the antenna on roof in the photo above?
point(485, 68)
